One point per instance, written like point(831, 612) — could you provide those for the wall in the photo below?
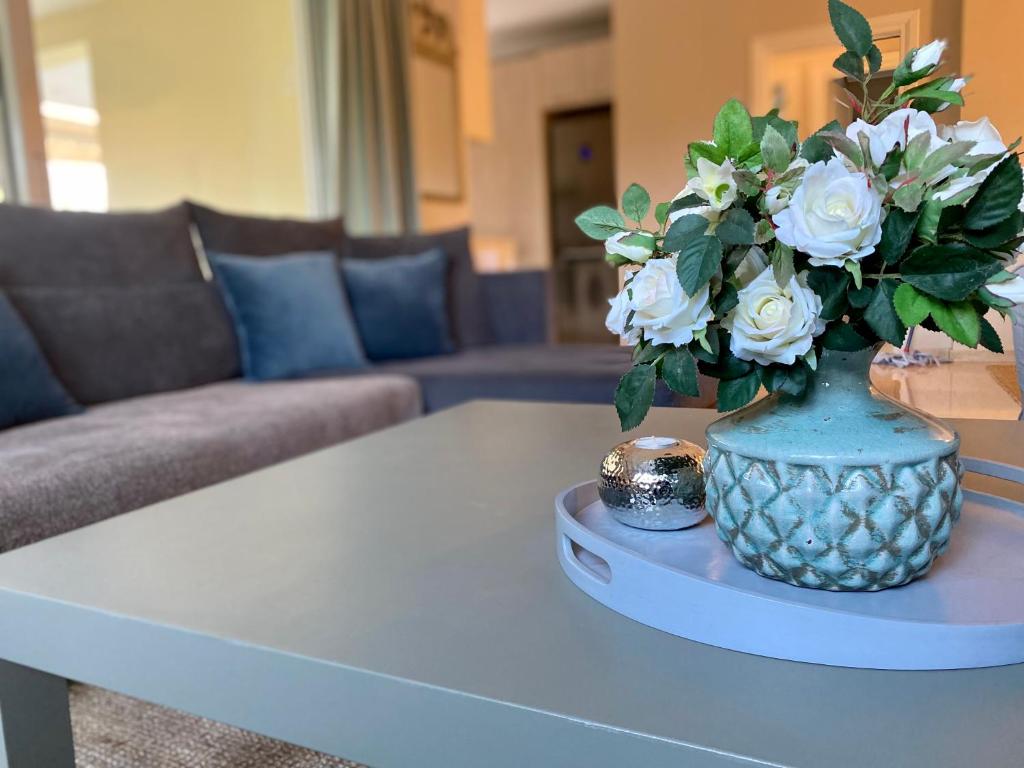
point(197, 98)
point(678, 62)
point(509, 175)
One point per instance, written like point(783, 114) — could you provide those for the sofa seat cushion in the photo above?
point(570, 373)
point(64, 473)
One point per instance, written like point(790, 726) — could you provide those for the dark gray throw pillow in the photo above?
point(264, 236)
point(29, 391)
point(290, 314)
point(469, 319)
point(400, 304)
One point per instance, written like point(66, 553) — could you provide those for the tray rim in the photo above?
point(591, 583)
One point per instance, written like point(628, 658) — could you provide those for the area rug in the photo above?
point(113, 731)
point(1006, 377)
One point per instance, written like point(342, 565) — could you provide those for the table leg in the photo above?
point(35, 722)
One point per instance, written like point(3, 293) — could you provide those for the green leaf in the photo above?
point(853, 267)
point(958, 320)
point(815, 148)
point(928, 222)
point(684, 230)
point(917, 151)
point(786, 128)
point(997, 235)
point(911, 305)
point(874, 59)
point(711, 152)
point(843, 337)
point(698, 261)
point(763, 232)
point(735, 393)
point(851, 27)
point(951, 97)
point(947, 154)
point(645, 352)
point(881, 314)
point(686, 201)
point(634, 395)
point(636, 202)
point(679, 370)
point(775, 152)
point(736, 228)
point(849, 63)
point(909, 196)
point(861, 297)
point(950, 271)
point(998, 196)
point(661, 213)
point(897, 229)
point(830, 284)
point(846, 146)
point(733, 129)
point(600, 222)
point(791, 379)
point(890, 167)
point(728, 298)
point(782, 264)
point(990, 337)
point(616, 260)
point(710, 349)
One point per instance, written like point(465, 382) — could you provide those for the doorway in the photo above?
point(581, 174)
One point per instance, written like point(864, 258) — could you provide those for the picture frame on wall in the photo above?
point(435, 104)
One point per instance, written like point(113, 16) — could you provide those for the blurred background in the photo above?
point(507, 115)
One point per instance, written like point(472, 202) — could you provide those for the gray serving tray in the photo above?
point(967, 612)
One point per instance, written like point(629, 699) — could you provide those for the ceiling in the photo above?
point(504, 15)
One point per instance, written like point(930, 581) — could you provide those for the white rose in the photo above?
point(616, 320)
point(662, 309)
point(834, 215)
point(776, 198)
point(635, 246)
point(896, 130)
point(928, 56)
point(753, 264)
point(987, 141)
point(1011, 290)
point(714, 183)
point(772, 324)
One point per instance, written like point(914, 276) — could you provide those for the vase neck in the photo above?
point(841, 373)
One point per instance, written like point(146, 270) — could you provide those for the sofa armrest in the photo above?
point(517, 306)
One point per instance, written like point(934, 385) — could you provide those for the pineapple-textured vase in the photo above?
point(843, 488)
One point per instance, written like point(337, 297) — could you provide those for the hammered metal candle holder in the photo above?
point(654, 483)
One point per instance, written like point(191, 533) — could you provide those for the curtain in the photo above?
point(359, 70)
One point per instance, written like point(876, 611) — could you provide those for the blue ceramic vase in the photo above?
point(842, 488)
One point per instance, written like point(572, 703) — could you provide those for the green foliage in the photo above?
point(844, 145)
point(698, 261)
point(684, 230)
point(600, 222)
point(998, 196)
point(783, 269)
point(882, 316)
point(830, 285)
point(849, 63)
point(950, 271)
point(996, 237)
point(679, 370)
point(786, 128)
point(959, 320)
point(911, 305)
point(990, 337)
point(733, 129)
point(736, 228)
point(636, 202)
point(634, 395)
point(775, 152)
point(791, 379)
point(735, 393)
point(815, 147)
point(661, 211)
point(851, 27)
point(844, 338)
point(897, 229)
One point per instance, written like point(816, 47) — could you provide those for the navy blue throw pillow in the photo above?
point(400, 304)
point(289, 313)
point(29, 391)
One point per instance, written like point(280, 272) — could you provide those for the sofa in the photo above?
point(124, 310)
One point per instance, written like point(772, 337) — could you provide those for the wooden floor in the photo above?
point(961, 389)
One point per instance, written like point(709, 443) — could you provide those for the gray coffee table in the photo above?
point(397, 601)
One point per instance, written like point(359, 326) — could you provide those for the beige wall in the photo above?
point(509, 175)
point(677, 62)
point(197, 98)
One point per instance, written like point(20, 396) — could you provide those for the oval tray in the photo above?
point(967, 612)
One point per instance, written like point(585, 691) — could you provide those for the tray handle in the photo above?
point(584, 560)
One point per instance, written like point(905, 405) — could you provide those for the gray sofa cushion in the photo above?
point(65, 473)
point(59, 248)
point(571, 373)
point(109, 343)
point(469, 319)
point(261, 236)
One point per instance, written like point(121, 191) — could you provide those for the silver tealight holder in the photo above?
point(654, 483)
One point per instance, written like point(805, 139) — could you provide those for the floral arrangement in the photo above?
point(777, 249)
